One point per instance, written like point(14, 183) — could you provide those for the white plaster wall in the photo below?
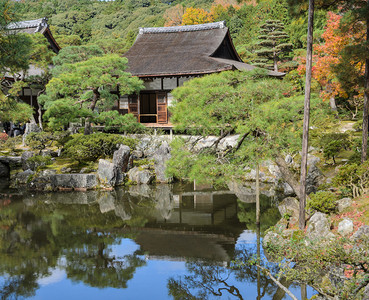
point(153, 85)
point(170, 83)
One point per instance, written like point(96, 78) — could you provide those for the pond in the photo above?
point(163, 242)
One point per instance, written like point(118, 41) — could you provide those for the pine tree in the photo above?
point(273, 44)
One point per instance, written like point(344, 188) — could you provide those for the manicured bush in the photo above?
point(94, 146)
point(39, 140)
point(323, 201)
point(40, 161)
point(353, 179)
point(333, 143)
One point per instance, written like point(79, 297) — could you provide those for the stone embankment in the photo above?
point(153, 152)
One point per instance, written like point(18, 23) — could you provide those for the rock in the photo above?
point(287, 189)
point(121, 163)
point(272, 239)
point(73, 181)
point(121, 158)
point(361, 234)
point(66, 170)
point(290, 206)
point(45, 173)
point(160, 157)
point(137, 154)
point(318, 227)
point(23, 177)
point(343, 204)
point(345, 227)
point(366, 293)
point(228, 142)
point(4, 170)
point(313, 179)
point(312, 160)
point(140, 175)
point(107, 173)
point(26, 164)
point(288, 159)
point(30, 127)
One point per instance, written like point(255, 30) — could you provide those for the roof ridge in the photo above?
point(28, 24)
point(184, 28)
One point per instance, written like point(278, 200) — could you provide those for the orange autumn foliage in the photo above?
point(194, 16)
point(328, 55)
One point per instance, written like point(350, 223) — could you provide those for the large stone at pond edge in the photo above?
point(22, 177)
point(290, 206)
point(140, 175)
point(121, 163)
point(26, 164)
point(107, 173)
point(345, 227)
point(318, 227)
point(121, 158)
point(361, 234)
point(161, 156)
point(4, 170)
point(343, 204)
point(74, 181)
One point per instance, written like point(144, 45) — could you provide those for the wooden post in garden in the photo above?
point(257, 195)
point(364, 146)
point(305, 134)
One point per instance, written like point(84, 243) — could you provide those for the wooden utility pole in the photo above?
point(364, 146)
point(305, 134)
point(257, 194)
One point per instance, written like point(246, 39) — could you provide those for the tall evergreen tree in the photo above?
point(273, 44)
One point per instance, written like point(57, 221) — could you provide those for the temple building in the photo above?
point(165, 57)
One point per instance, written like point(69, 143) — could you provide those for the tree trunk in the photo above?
point(305, 133)
point(257, 195)
point(364, 146)
point(275, 63)
point(332, 104)
point(288, 176)
point(96, 97)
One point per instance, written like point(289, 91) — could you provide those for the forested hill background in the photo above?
point(114, 24)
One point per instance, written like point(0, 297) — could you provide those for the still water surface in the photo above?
point(163, 242)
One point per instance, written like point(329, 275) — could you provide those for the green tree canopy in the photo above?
point(83, 89)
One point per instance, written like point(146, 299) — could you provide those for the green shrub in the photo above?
point(322, 201)
point(40, 161)
point(94, 146)
point(333, 143)
point(353, 178)
point(39, 140)
point(114, 121)
point(11, 143)
point(61, 137)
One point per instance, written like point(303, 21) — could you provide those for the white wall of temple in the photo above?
point(169, 83)
point(155, 84)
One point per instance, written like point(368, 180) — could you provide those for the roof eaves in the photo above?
point(226, 68)
point(185, 28)
point(39, 24)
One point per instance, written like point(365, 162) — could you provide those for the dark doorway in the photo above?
point(148, 110)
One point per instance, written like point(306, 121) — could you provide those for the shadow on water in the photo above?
point(89, 237)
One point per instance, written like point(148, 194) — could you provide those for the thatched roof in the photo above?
point(34, 26)
point(184, 50)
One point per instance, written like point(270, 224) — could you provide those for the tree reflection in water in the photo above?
point(77, 233)
point(208, 279)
